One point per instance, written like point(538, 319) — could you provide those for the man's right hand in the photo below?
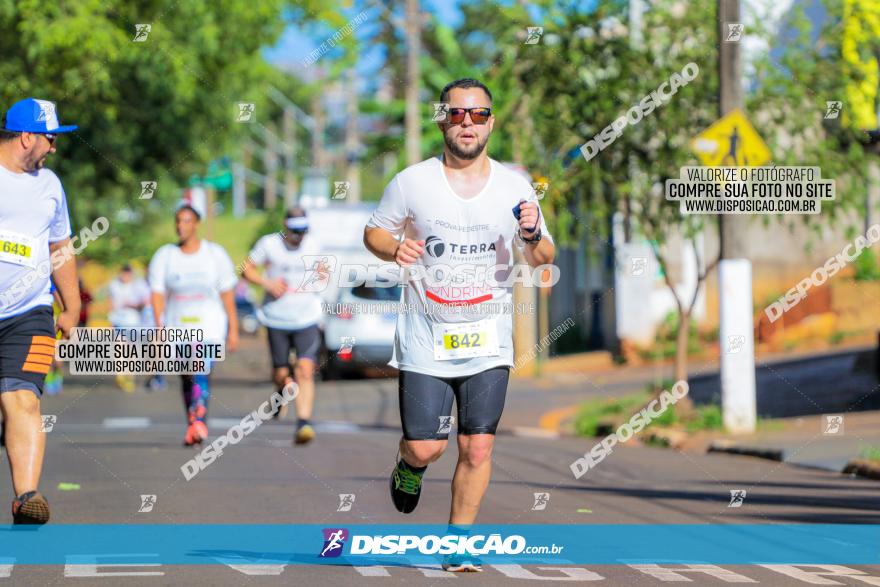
point(409, 252)
point(65, 321)
point(276, 287)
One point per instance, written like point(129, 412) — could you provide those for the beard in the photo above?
point(467, 153)
point(35, 163)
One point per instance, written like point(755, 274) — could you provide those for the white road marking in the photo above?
point(815, 577)
point(669, 574)
point(126, 423)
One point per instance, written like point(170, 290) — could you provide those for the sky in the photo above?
point(296, 42)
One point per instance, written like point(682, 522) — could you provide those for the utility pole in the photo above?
point(413, 76)
point(352, 140)
point(737, 340)
point(289, 146)
point(270, 162)
point(239, 181)
point(293, 115)
point(320, 161)
point(636, 41)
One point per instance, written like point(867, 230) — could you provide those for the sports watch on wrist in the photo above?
point(534, 240)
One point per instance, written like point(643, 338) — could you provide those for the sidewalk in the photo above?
point(801, 441)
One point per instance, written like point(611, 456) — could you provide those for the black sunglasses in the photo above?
point(478, 115)
point(50, 137)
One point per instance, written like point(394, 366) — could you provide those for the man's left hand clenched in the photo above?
point(529, 219)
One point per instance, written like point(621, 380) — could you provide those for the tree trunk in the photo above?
point(684, 405)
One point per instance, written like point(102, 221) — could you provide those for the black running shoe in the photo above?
point(30, 508)
point(406, 487)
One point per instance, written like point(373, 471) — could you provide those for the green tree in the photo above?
point(587, 72)
point(153, 110)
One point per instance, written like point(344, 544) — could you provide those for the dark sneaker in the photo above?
point(304, 434)
point(30, 508)
point(406, 487)
point(462, 563)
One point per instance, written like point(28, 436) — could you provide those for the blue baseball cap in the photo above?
point(38, 116)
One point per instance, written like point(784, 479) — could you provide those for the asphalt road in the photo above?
point(116, 447)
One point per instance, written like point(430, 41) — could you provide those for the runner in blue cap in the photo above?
point(34, 246)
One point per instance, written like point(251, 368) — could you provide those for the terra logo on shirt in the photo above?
point(436, 247)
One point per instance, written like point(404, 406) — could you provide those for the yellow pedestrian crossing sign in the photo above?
point(731, 141)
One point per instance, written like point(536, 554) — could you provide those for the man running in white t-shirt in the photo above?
point(459, 212)
point(34, 245)
point(291, 311)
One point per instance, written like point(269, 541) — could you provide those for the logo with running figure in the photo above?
point(346, 345)
point(446, 423)
point(734, 32)
point(441, 111)
point(833, 424)
point(639, 266)
point(340, 190)
point(540, 188)
point(317, 274)
point(737, 498)
point(334, 542)
point(48, 423)
point(142, 32)
point(735, 343)
point(435, 246)
point(832, 109)
point(147, 503)
point(245, 111)
point(346, 501)
point(47, 111)
point(533, 35)
point(148, 189)
point(541, 501)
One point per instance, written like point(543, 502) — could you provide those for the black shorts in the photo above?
point(27, 349)
point(306, 342)
point(426, 403)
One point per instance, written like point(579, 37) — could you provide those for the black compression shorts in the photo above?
point(426, 403)
point(306, 342)
point(27, 349)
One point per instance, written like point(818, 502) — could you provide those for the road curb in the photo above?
point(772, 454)
point(530, 432)
point(862, 468)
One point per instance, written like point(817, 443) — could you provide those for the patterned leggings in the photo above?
point(196, 393)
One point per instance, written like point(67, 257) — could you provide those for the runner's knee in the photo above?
point(304, 369)
point(21, 403)
point(280, 374)
point(476, 450)
point(424, 451)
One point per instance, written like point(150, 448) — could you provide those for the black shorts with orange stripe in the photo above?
point(27, 349)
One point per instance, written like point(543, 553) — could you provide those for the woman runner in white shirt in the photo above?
point(192, 286)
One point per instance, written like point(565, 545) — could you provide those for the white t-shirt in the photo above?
point(476, 233)
point(33, 214)
point(192, 284)
point(300, 307)
point(125, 295)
